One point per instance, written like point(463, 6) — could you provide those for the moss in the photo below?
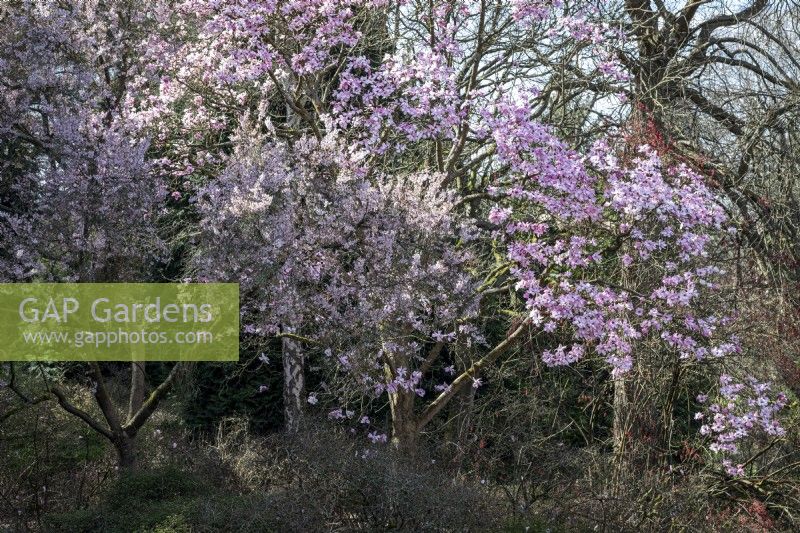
point(155, 485)
point(173, 524)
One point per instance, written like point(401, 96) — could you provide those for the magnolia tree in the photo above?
point(611, 250)
point(369, 270)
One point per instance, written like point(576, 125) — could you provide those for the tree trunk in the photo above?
point(621, 410)
point(621, 400)
point(126, 453)
point(293, 384)
point(405, 432)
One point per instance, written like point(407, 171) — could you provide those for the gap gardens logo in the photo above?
point(119, 322)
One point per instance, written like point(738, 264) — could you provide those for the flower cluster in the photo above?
point(414, 100)
point(585, 26)
point(366, 268)
point(85, 194)
point(743, 410)
point(570, 216)
point(248, 39)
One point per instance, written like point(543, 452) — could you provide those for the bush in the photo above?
point(140, 501)
point(327, 480)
